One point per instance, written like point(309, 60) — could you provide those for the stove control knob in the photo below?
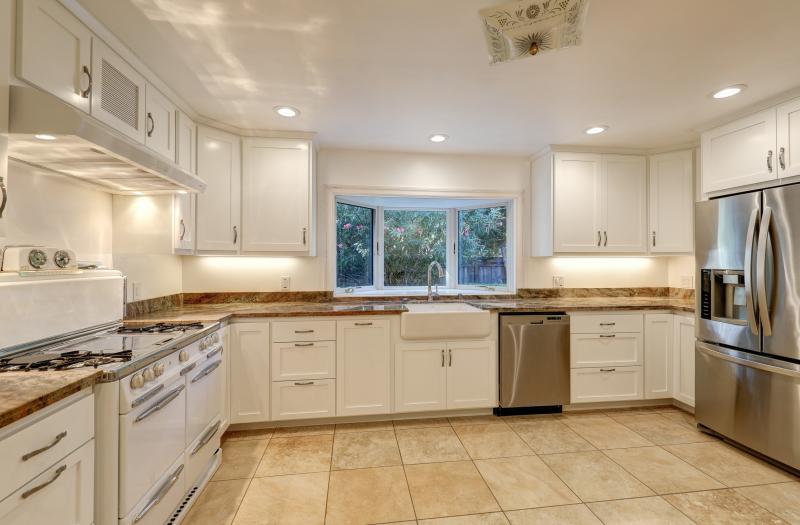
point(37, 259)
point(148, 374)
point(137, 381)
point(62, 258)
point(183, 356)
point(158, 369)
point(215, 337)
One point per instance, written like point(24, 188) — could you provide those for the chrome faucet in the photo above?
point(435, 294)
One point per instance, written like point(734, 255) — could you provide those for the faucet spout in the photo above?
point(439, 268)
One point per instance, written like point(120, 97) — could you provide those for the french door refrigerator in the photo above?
point(747, 369)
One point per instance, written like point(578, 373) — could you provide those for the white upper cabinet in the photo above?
point(671, 203)
point(277, 196)
point(740, 153)
point(159, 118)
point(218, 208)
point(186, 143)
point(577, 202)
point(184, 203)
point(624, 203)
point(789, 138)
point(118, 92)
point(54, 51)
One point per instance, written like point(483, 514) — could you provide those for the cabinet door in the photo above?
point(593, 385)
point(363, 367)
point(683, 362)
point(420, 376)
point(61, 495)
point(118, 92)
point(471, 374)
point(219, 165)
point(789, 139)
point(183, 215)
point(577, 202)
point(55, 51)
point(184, 203)
point(671, 203)
point(159, 117)
point(303, 399)
point(276, 196)
point(740, 153)
point(225, 408)
point(249, 374)
point(658, 339)
point(624, 204)
point(186, 143)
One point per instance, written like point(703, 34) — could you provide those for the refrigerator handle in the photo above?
point(761, 270)
point(748, 273)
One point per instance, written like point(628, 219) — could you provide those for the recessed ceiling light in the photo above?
point(286, 111)
point(729, 91)
point(438, 137)
point(182, 192)
point(138, 193)
point(44, 136)
point(594, 130)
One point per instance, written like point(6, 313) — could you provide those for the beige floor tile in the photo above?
point(218, 503)
point(316, 430)
point(637, 410)
point(681, 417)
point(728, 465)
point(722, 507)
point(491, 441)
point(662, 471)
point(594, 477)
point(285, 500)
point(448, 489)
point(652, 511)
point(605, 433)
point(566, 515)
point(365, 449)
point(241, 435)
point(343, 428)
point(373, 495)
point(524, 482)
point(495, 518)
point(421, 423)
point(296, 455)
point(661, 430)
point(475, 420)
point(550, 436)
point(428, 445)
point(782, 499)
point(240, 459)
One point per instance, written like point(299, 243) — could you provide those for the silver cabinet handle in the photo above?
point(782, 158)
point(761, 270)
point(363, 324)
point(187, 369)
point(183, 229)
point(305, 235)
point(304, 344)
point(86, 92)
point(450, 357)
point(748, 272)
point(206, 438)
point(206, 371)
point(608, 324)
point(235, 235)
point(159, 495)
point(161, 403)
point(654, 239)
point(217, 350)
point(605, 238)
point(56, 441)
point(608, 336)
point(608, 369)
point(152, 126)
point(304, 331)
point(4, 197)
point(303, 383)
point(149, 394)
point(769, 161)
point(33, 490)
point(442, 357)
point(599, 238)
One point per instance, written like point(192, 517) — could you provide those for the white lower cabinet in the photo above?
point(309, 360)
point(683, 360)
point(617, 349)
point(249, 373)
point(471, 374)
point(658, 339)
point(303, 399)
point(622, 383)
point(363, 367)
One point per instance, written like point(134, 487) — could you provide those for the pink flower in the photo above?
point(400, 229)
point(340, 245)
point(347, 226)
point(360, 227)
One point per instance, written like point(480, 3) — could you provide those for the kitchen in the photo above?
point(279, 263)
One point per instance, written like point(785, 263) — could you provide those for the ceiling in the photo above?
point(383, 74)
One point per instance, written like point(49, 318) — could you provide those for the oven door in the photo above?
point(204, 388)
point(151, 437)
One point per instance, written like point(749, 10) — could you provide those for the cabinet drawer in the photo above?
point(605, 323)
point(34, 448)
point(303, 399)
point(309, 360)
point(289, 331)
point(606, 384)
point(593, 350)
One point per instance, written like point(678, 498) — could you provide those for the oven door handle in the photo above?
point(748, 273)
point(207, 370)
point(214, 352)
point(161, 403)
point(761, 271)
point(159, 495)
point(206, 438)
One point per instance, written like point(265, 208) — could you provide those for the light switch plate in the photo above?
point(687, 281)
point(558, 281)
point(285, 282)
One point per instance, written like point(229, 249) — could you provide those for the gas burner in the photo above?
point(62, 361)
point(159, 328)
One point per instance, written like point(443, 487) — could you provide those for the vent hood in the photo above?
point(86, 149)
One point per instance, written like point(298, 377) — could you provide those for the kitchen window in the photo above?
point(388, 243)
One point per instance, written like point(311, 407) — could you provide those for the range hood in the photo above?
point(87, 149)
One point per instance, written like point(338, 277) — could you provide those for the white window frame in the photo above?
point(510, 272)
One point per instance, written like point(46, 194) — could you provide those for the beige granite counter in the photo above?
point(23, 393)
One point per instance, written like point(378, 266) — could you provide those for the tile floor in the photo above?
point(615, 467)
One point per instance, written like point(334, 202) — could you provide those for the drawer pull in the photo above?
point(605, 336)
point(304, 344)
point(164, 401)
point(45, 448)
point(149, 394)
point(206, 371)
point(363, 324)
point(30, 492)
point(304, 331)
point(214, 352)
point(303, 383)
point(186, 370)
point(159, 495)
point(206, 438)
point(608, 369)
point(608, 324)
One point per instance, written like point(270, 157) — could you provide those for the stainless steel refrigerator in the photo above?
point(747, 368)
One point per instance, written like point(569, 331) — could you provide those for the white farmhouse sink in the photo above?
point(444, 321)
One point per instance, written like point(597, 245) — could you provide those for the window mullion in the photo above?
point(378, 268)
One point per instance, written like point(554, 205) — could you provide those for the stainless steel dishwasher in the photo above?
point(534, 363)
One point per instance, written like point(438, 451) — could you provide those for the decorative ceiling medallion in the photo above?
point(526, 28)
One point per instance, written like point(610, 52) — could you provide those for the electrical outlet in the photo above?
point(136, 291)
point(687, 281)
point(285, 282)
point(558, 281)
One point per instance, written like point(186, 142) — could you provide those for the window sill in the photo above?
point(443, 292)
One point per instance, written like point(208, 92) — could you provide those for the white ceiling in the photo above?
point(383, 74)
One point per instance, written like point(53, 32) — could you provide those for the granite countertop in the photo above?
point(571, 304)
point(23, 393)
